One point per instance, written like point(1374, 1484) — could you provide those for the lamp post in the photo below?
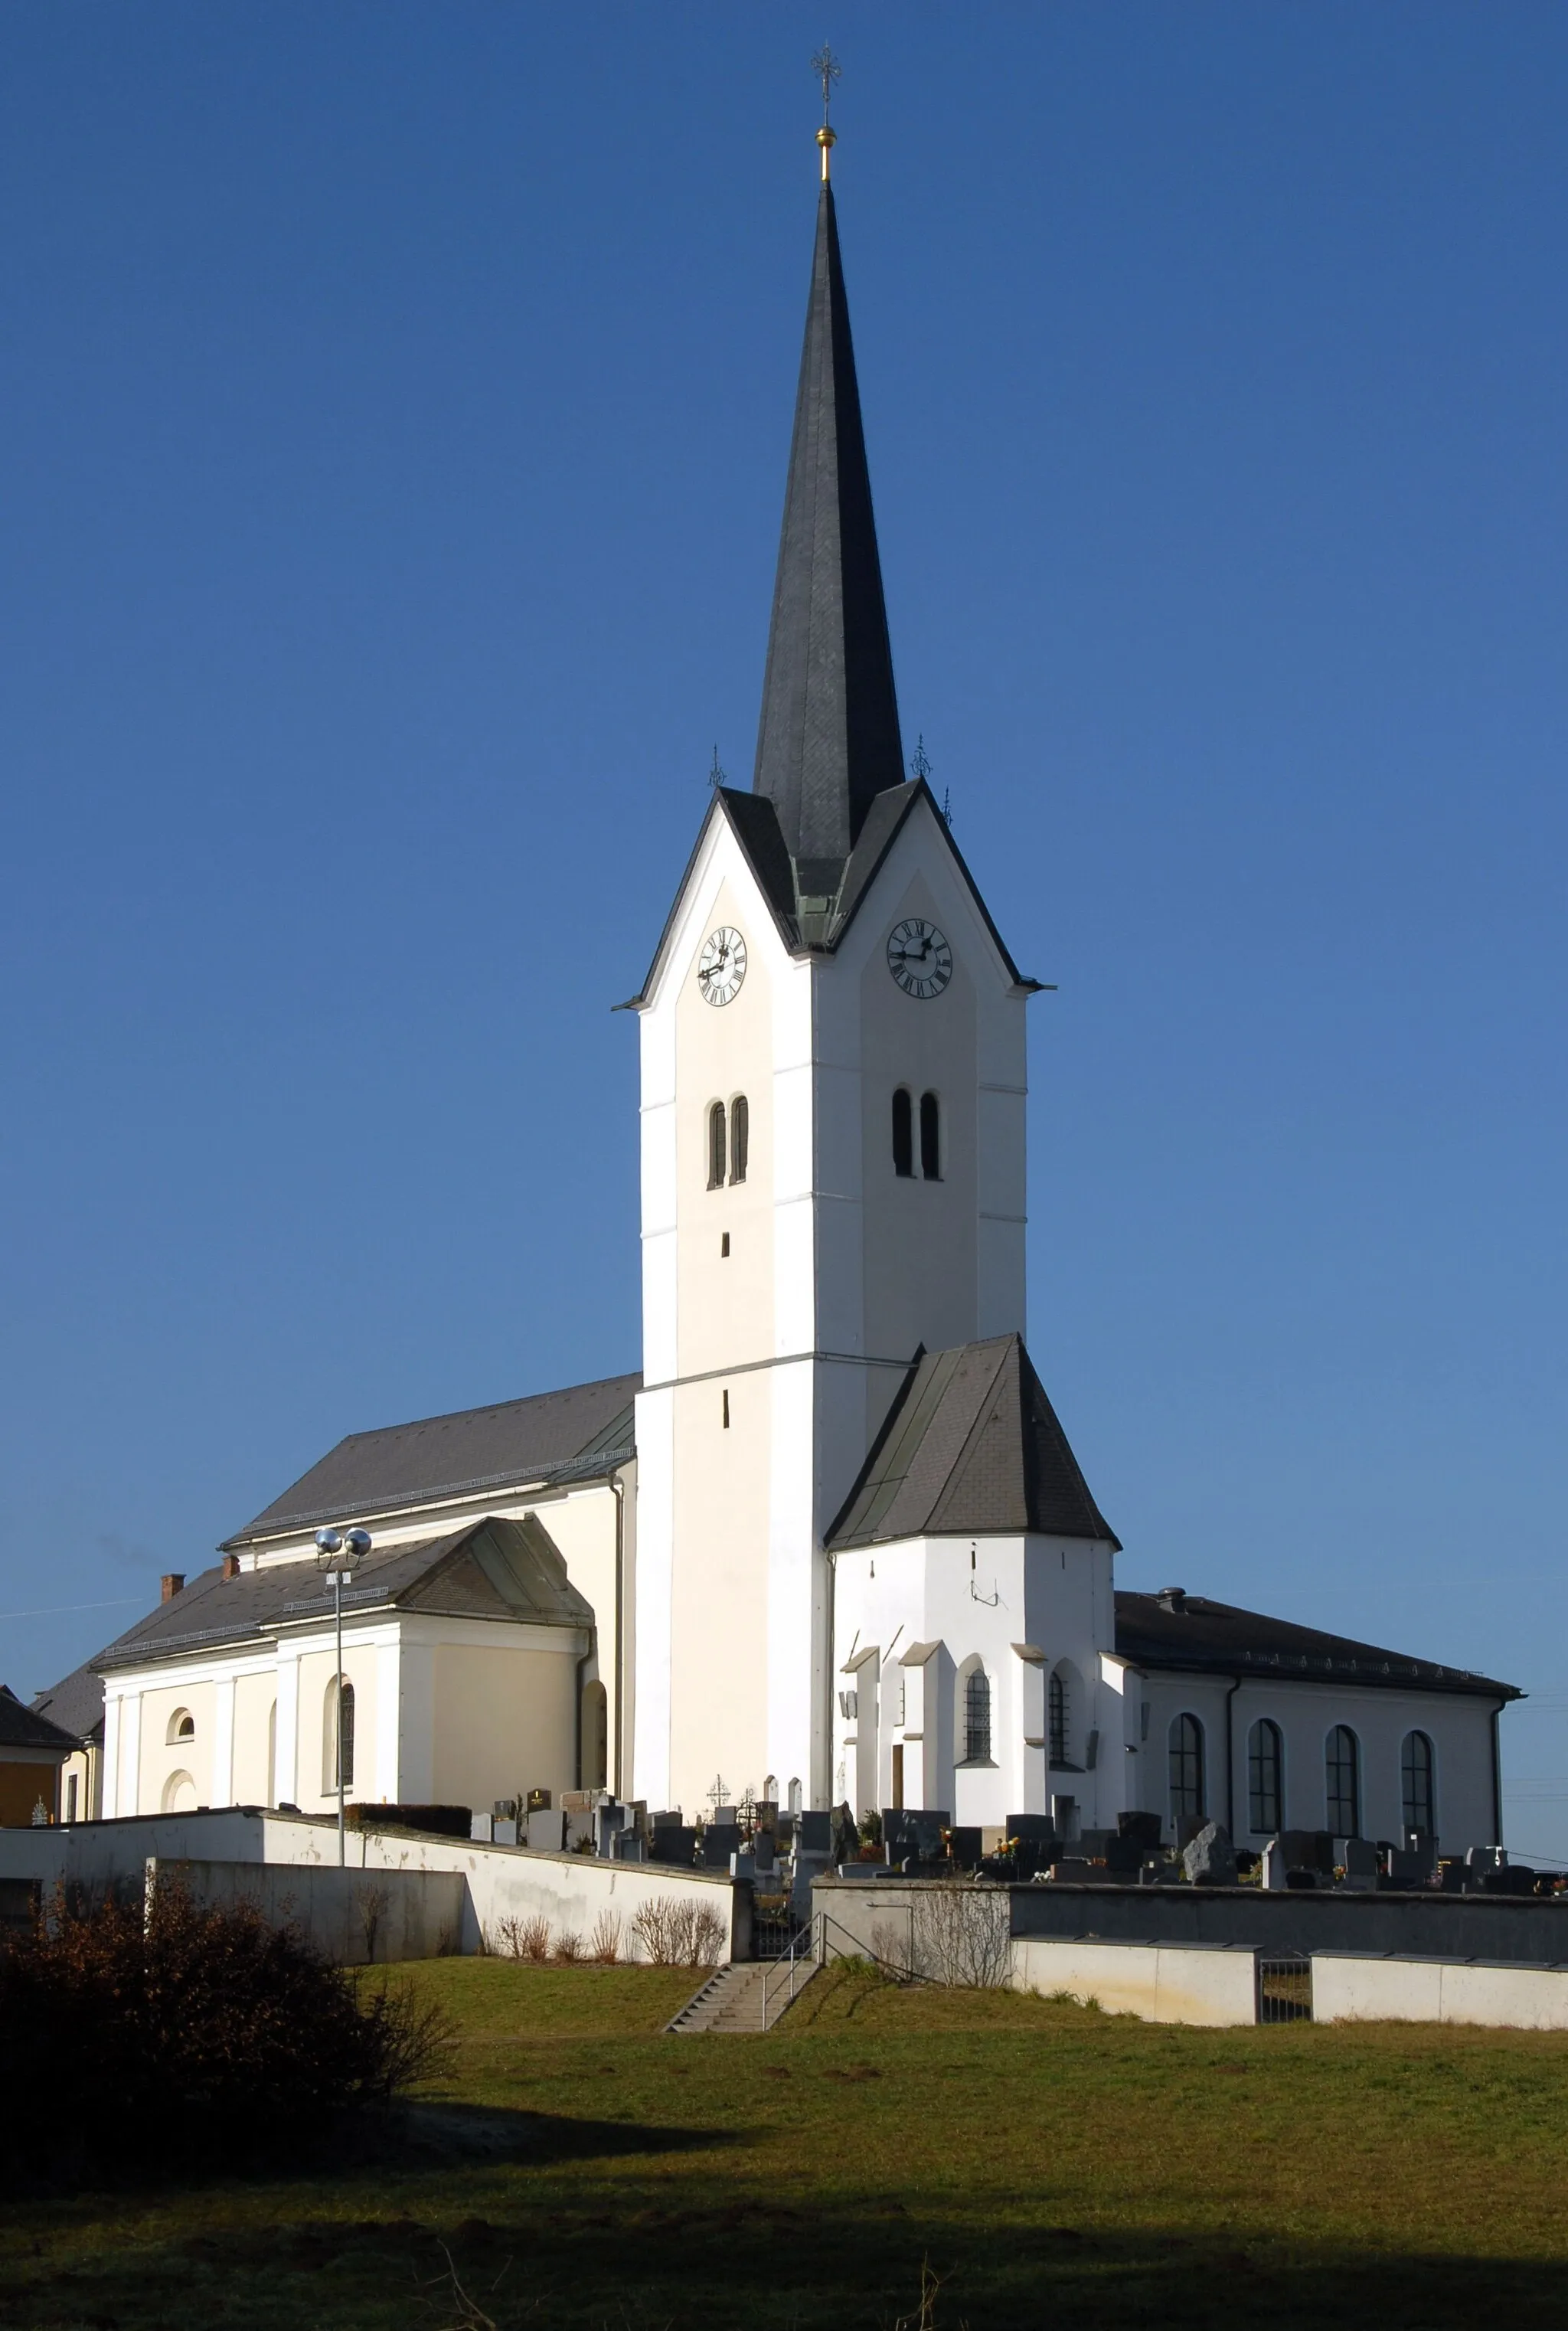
point(345, 1550)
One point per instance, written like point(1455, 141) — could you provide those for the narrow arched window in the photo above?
point(716, 1145)
point(739, 1137)
point(1058, 1714)
point(182, 1727)
point(1342, 1781)
point(1420, 1797)
point(930, 1138)
point(1187, 1756)
point(903, 1135)
point(978, 1718)
point(1264, 1771)
point(337, 1735)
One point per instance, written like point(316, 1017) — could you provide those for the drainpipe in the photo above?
point(619, 1488)
point(1231, 1761)
point(829, 1678)
point(1496, 1775)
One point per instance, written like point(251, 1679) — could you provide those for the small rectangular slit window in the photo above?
point(723, 1243)
point(725, 1397)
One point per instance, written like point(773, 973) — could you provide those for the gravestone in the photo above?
point(720, 1840)
point(814, 1833)
point(1209, 1859)
point(546, 1831)
point(673, 1844)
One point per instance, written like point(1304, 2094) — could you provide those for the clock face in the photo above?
point(919, 957)
point(721, 965)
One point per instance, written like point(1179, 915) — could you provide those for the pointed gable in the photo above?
point(973, 1446)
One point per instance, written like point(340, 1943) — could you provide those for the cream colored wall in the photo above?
point(255, 1698)
point(505, 1720)
point(317, 1669)
point(723, 1307)
point(160, 1758)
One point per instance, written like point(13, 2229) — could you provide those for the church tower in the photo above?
point(833, 1142)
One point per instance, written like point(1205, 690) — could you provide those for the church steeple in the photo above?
point(828, 741)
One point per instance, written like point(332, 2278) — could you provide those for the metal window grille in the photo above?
point(1186, 1760)
point(1416, 1783)
point(1057, 1711)
point(715, 1145)
point(1264, 1763)
point(1341, 1780)
point(1285, 1990)
point(739, 1137)
point(978, 1718)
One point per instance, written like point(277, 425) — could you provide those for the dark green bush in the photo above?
point(183, 2036)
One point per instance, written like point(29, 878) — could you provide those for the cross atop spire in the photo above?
point(829, 741)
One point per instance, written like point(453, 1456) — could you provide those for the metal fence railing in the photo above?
point(1285, 1990)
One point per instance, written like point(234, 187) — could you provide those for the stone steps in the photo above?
point(749, 1996)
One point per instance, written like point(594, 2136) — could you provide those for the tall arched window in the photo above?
point(716, 1145)
point(1058, 1714)
point(337, 1726)
point(739, 1137)
point(1415, 1773)
point(595, 1736)
point(1187, 1758)
point(903, 1135)
point(978, 1718)
point(1264, 1771)
point(930, 1138)
point(1342, 1781)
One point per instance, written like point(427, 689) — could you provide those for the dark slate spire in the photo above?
point(829, 738)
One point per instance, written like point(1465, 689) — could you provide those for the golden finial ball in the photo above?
point(826, 136)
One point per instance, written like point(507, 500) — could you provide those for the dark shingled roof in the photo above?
point(972, 1444)
point(490, 1569)
point(828, 740)
point(75, 1703)
point(554, 1436)
point(24, 1727)
point(1176, 1629)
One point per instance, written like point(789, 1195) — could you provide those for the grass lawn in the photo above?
point(1056, 2167)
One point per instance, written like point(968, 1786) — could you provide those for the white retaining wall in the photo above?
point(569, 1890)
point(1165, 1983)
point(357, 1917)
point(1347, 1989)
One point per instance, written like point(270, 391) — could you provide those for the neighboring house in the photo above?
point(32, 1751)
point(76, 1705)
point(831, 1543)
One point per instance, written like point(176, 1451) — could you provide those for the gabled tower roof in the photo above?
point(828, 742)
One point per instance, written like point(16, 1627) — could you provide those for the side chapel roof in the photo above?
point(75, 1703)
point(971, 1444)
point(24, 1727)
point(493, 1568)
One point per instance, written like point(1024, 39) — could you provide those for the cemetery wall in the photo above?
point(357, 1918)
point(1346, 1988)
point(1163, 1982)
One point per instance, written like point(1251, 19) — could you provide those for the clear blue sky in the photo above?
point(397, 400)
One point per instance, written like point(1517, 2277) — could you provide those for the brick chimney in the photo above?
point(231, 1565)
point(171, 1582)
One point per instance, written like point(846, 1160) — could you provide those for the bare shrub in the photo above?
point(962, 1935)
point(521, 1938)
point(569, 1951)
point(604, 1942)
point(209, 2033)
point(371, 1904)
point(673, 1933)
point(890, 1945)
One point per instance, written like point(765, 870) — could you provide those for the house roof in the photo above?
point(578, 1433)
point(492, 1568)
point(75, 1703)
point(1177, 1630)
point(828, 740)
point(24, 1727)
point(971, 1444)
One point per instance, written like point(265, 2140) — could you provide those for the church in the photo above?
point(830, 1545)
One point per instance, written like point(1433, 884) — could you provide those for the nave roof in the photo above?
point(1173, 1629)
